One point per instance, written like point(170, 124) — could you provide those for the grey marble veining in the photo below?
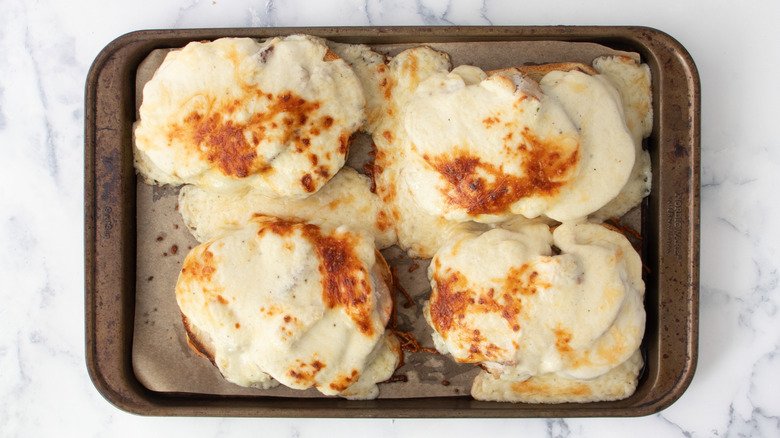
point(47, 48)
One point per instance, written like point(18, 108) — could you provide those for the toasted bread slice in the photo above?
point(198, 340)
point(538, 71)
point(617, 384)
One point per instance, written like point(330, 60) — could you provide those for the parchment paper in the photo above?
point(164, 362)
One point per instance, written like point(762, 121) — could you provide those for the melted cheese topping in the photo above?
point(345, 200)
point(456, 147)
point(372, 71)
point(304, 305)
point(633, 81)
point(485, 149)
point(236, 113)
point(608, 154)
point(503, 299)
point(419, 232)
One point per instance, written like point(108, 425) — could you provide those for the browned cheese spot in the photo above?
point(277, 226)
point(451, 300)
point(307, 183)
point(562, 340)
point(384, 83)
point(344, 277)
point(483, 188)
point(490, 121)
point(342, 382)
point(330, 56)
point(383, 223)
point(523, 281)
point(199, 268)
point(413, 68)
point(232, 146)
point(480, 349)
point(454, 299)
point(323, 172)
point(306, 372)
point(225, 144)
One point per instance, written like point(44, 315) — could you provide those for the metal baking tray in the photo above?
point(669, 225)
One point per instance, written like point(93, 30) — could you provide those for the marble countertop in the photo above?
point(48, 47)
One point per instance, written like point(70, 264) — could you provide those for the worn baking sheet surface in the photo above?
point(162, 359)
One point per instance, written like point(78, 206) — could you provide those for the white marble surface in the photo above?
point(47, 47)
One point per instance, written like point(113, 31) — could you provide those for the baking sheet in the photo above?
point(163, 361)
point(111, 222)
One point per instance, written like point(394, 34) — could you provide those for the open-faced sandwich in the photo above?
point(293, 303)
point(235, 113)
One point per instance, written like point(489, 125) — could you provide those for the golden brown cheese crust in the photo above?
point(483, 188)
point(539, 154)
point(235, 113)
point(345, 279)
point(476, 149)
point(198, 341)
point(231, 146)
point(282, 299)
point(455, 298)
point(506, 300)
